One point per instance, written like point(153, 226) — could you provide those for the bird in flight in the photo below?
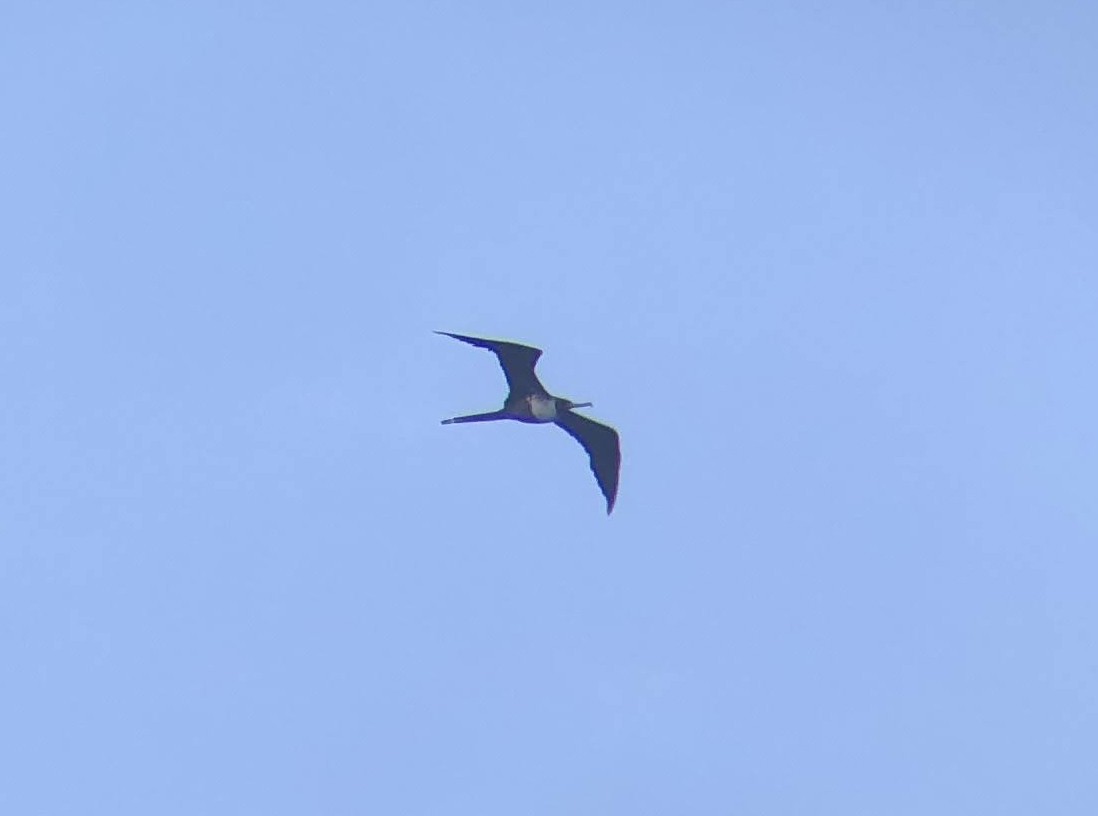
point(528, 401)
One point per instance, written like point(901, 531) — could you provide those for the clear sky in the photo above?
point(830, 268)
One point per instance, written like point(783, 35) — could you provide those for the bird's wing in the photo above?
point(516, 360)
point(601, 443)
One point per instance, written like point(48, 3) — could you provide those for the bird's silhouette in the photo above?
point(528, 401)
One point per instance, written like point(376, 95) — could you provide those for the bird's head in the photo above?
point(568, 405)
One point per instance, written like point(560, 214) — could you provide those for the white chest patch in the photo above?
point(543, 409)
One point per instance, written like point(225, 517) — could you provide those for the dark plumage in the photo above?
point(528, 401)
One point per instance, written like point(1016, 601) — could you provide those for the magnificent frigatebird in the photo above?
point(528, 401)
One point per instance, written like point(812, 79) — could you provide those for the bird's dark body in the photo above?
point(520, 408)
point(528, 401)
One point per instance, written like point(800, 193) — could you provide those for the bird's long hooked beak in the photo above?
point(582, 404)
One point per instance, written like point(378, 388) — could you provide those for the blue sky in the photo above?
point(830, 269)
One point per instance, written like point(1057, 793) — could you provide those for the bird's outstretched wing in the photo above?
point(516, 360)
point(601, 443)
